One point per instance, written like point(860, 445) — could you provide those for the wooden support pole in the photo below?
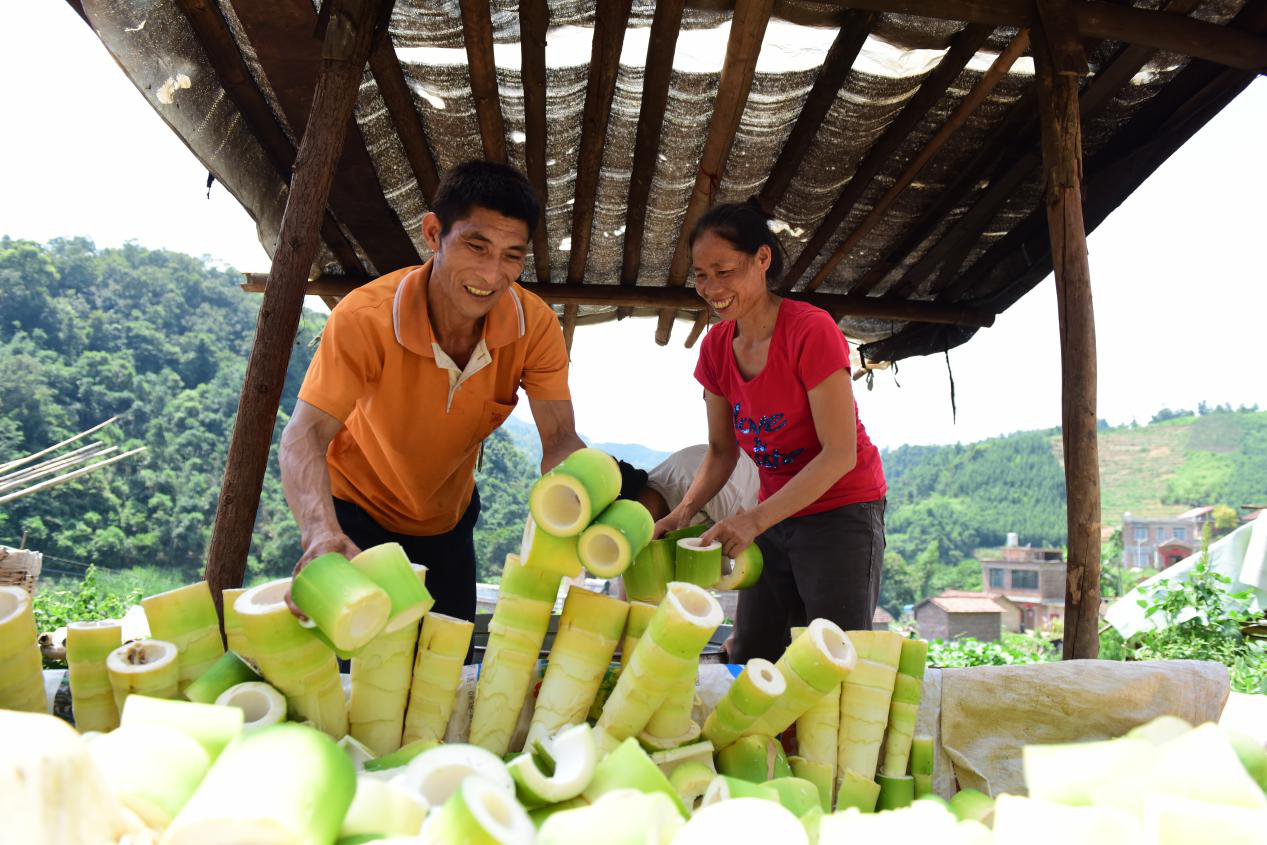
point(932, 89)
point(836, 66)
point(992, 77)
point(747, 31)
point(345, 49)
point(569, 325)
point(684, 298)
point(610, 20)
point(657, 72)
point(701, 323)
point(477, 34)
point(534, 19)
point(1060, 118)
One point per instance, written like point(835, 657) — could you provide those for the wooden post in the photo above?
point(1057, 51)
point(348, 37)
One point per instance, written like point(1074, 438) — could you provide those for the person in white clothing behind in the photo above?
point(666, 485)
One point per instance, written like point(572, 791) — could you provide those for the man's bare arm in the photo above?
point(556, 425)
point(306, 482)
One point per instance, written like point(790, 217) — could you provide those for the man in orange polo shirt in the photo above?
point(413, 371)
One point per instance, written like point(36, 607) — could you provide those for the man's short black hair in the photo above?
point(485, 184)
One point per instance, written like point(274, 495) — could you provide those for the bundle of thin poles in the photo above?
point(50, 467)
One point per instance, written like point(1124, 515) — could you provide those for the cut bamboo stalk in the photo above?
point(6, 467)
point(70, 476)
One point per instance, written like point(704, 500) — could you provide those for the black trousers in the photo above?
point(449, 557)
point(823, 565)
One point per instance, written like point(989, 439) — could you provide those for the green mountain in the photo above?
point(525, 437)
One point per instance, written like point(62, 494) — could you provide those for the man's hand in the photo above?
point(735, 534)
point(321, 545)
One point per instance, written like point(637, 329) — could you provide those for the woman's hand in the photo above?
point(671, 522)
point(735, 534)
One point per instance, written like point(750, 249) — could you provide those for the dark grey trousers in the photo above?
point(823, 565)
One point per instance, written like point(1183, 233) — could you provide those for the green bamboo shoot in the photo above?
point(922, 758)
point(388, 566)
point(697, 562)
point(754, 758)
point(565, 500)
point(187, 618)
point(542, 550)
point(647, 578)
point(286, 784)
point(21, 666)
point(153, 768)
point(344, 606)
point(620, 817)
point(629, 767)
point(670, 648)
point(572, 757)
point(383, 807)
point(864, 702)
point(671, 725)
point(895, 792)
point(436, 773)
point(145, 667)
point(615, 538)
point(210, 726)
point(229, 671)
point(381, 675)
point(756, 689)
point(691, 780)
point(515, 636)
point(742, 571)
point(816, 734)
point(857, 792)
point(261, 704)
point(729, 788)
point(88, 644)
point(813, 665)
point(442, 649)
point(293, 659)
point(640, 614)
point(233, 634)
point(589, 630)
point(903, 707)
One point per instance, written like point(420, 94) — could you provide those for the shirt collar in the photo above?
point(502, 326)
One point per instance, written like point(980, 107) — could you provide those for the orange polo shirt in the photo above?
point(413, 420)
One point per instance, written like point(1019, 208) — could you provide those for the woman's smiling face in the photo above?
point(728, 279)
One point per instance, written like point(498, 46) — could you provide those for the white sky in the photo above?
point(1179, 280)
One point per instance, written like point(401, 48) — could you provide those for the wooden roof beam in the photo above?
point(477, 35)
point(933, 88)
point(1231, 45)
point(675, 298)
point(747, 31)
point(394, 90)
point(212, 32)
point(836, 67)
point(534, 19)
point(281, 34)
point(986, 84)
point(658, 70)
point(956, 244)
point(610, 20)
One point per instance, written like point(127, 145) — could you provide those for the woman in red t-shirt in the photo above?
point(776, 379)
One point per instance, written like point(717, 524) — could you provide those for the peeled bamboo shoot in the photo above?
point(442, 649)
point(187, 618)
point(88, 644)
point(756, 689)
point(864, 702)
point(21, 667)
point(903, 707)
point(565, 500)
point(813, 665)
point(615, 538)
point(145, 667)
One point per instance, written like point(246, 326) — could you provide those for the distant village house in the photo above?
point(1161, 542)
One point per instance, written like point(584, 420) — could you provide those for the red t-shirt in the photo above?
point(771, 413)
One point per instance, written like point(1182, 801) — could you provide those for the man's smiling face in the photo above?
point(476, 260)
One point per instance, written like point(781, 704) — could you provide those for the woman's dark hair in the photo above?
point(485, 184)
point(746, 228)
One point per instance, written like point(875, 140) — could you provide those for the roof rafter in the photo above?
point(747, 31)
point(836, 67)
point(477, 35)
point(534, 19)
point(610, 20)
point(404, 116)
point(964, 46)
point(658, 70)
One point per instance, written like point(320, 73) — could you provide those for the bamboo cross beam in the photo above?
point(657, 71)
point(610, 20)
point(6, 467)
point(747, 31)
point(678, 298)
point(975, 97)
point(836, 67)
point(933, 88)
point(534, 19)
point(70, 476)
point(477, 35)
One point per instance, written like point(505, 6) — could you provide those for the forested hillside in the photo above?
point(161, 340)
